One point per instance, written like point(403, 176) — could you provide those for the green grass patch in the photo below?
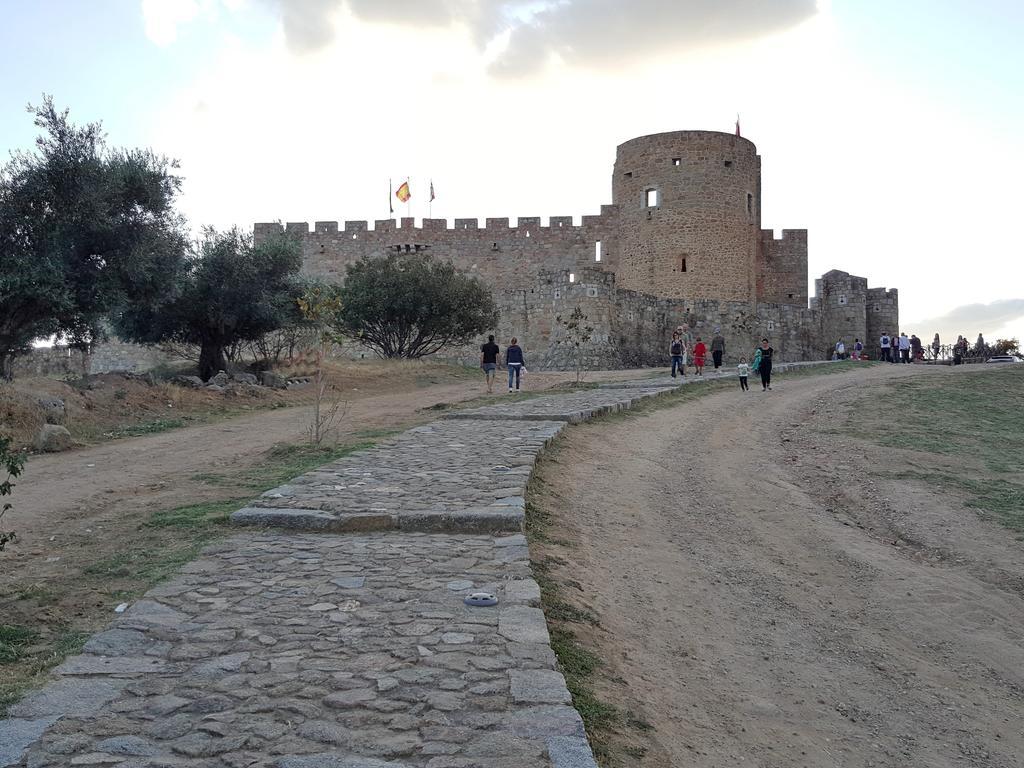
point(146, 564)
point(14, 639)
point(974, 416)
point(145, 428)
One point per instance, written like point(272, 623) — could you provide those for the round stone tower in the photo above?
point(690, 215)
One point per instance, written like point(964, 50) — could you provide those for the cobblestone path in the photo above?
point(305, 651)
point(289, 649)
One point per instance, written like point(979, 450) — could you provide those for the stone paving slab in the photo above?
point(306, 651)
point(572, 408)
point(468, 477)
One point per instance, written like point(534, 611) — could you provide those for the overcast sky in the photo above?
point(892, 131)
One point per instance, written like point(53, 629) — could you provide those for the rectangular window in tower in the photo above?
point(572, 277)
point(677, 161)
point(728, 163)
point(750, 204)
point(651, 198)
point(842, 300)
point(682, 264)
point(597, 251)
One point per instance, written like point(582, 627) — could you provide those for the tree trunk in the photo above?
point(211, 360)
point(7, 366)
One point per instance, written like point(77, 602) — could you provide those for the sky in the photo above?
point(892, 131)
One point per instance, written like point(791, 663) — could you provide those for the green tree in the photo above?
point(82, 227)
point(577, 334)
point(11, 462)
point(230, 290)
point(411, 305)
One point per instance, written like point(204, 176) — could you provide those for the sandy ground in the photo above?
point(767, 599)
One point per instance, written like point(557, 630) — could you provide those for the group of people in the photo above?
point(683, 346)
point(514, 362)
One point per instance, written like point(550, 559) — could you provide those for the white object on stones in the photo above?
point(121, 608)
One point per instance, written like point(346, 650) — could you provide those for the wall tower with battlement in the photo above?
point(681, 239)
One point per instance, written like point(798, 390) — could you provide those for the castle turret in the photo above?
point(690, 215)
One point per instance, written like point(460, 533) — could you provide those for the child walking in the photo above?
point(743, 370)
point(700, 352)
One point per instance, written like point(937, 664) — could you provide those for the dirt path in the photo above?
point(754, 616)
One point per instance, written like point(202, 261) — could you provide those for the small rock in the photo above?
point(192, 382)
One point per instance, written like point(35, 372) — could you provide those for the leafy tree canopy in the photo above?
point(83, 227)
point(410, 305)
point(230, 290)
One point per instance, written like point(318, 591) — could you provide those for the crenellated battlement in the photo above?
point(498, 225)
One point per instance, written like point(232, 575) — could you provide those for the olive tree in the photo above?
point(411, 305)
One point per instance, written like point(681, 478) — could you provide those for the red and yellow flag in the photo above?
point(403, 193)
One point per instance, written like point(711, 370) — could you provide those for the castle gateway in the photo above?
point(680, 243)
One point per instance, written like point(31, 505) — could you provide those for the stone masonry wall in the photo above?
point(782, 267)
point(883, 316)
point(707, 212)
point(842, 301)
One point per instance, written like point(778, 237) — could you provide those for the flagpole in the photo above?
point(408, 200)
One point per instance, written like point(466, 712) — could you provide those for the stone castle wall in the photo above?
point(681, 240)
point(782, 267)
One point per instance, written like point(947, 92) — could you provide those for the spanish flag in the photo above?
point(403, 192)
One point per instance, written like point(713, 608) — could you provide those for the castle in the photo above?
point(680, 242)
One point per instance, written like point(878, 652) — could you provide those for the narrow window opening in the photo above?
point(628, 174)
point(791, 295)
point(651, 198)
point(842, 300)
point(750, 204)
point(728, 163)
point(771, 325)
point(597, 251)
point(677, 161)
point(682, 265)
point(527, 233)
point(572, 277)
point(355, 237)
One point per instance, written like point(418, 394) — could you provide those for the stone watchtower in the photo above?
point(690, 215)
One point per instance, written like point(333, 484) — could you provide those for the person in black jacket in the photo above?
point(514, 362)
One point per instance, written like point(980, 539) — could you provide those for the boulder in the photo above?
point(221, 379)
point(52, 438)
point(244, 378)
point(274, 380)
point(54, 411)
point(194, 382)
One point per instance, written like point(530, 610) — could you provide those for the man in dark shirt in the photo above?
point(489, 361)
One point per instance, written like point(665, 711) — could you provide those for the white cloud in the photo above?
point(163, 17)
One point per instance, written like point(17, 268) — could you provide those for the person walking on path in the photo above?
point(700, 352)
point(765, 368)
point(675, 351)
point(489, 361)
point(840, 350)
point(904, 348)
point(514, 362)
point(687, 338)
point(885, 343)
point(936, 346)
point(717, 348)
point(743, 370)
